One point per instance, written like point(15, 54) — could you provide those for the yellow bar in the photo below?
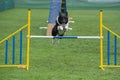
point(111, 31)
point(28, 40)
point(112, 66)
point(13, 33)
point(101, 42)
point(21, 65)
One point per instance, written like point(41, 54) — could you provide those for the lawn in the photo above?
point(71, 59)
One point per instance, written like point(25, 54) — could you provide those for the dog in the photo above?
point(61, 25)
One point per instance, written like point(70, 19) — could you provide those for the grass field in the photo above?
point(72, 59)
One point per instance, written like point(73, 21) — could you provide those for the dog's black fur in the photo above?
point(62, 20)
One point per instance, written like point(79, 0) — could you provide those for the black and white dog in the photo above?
point(61, 25)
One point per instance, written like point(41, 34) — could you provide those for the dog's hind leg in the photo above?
point(58, 41)
point(55, 41)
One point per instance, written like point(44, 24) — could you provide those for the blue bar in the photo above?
point(13, 50)
point(6, 52)
point(20, 47)
point(65, 37)
point(115, 50)
point(108, 48)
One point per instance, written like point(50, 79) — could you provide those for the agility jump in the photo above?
point(66, 37)
point(21, 64)
point(108, 64)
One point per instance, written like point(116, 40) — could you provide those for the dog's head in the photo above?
point(63, 18)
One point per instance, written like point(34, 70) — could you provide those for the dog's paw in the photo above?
point(60, 28)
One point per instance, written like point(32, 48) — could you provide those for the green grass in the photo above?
point(72, 59)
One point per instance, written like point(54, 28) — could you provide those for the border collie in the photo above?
point(61, 25)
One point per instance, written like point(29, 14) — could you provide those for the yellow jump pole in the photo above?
point(28, 41)
point(13, 33)
point(101, 41)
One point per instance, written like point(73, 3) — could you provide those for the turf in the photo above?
point(71, 59)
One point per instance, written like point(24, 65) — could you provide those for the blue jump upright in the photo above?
point(20, 47)
point(115, 49)
point(6, 52)
point(13, 50)
point(108, 48)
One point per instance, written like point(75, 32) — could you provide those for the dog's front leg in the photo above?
point(60, 28)
point(67, 26)
point(55, 41)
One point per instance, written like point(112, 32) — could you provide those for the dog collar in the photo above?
point(57, 20)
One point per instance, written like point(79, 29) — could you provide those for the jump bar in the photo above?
point(67, 37)
point(46, 28)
